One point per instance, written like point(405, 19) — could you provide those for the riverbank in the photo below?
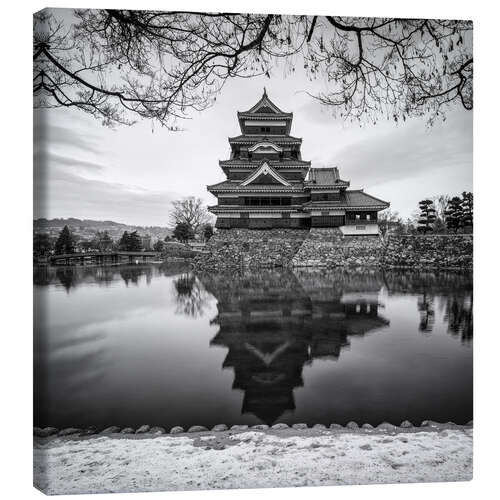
point(252, 458)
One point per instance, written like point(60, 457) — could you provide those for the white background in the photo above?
point(16, 231)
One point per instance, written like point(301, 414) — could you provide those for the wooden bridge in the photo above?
point(103, 258)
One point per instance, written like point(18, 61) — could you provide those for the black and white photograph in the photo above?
point(252, 250)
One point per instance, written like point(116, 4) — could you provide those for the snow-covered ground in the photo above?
point(250, 459)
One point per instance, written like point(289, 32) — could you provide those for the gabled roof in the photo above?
point(265, 170)
point(236, 187)
point(350, 200)
point(356, 198)
point(265, 110)
point(323, 177)
point(265, 107)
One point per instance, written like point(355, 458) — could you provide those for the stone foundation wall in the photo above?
point(327, 247)
point(251, 248)
point(447, 251)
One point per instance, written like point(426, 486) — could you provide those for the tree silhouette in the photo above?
point(122, 65)
point(190, 211)
point(41, 245)
point(65, 242)
point(427, 217)
point(183, 232)
point(454, 214)
point(159, 246)
point(130, 242)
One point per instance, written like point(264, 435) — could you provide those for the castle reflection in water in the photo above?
point(274, 323)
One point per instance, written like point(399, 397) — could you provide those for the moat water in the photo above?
point(160, 345)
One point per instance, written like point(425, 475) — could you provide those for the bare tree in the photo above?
point(121, 65)
point(440, 204)
point(190, 211)
point(388, 220)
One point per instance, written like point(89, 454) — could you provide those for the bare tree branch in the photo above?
point(123, 65)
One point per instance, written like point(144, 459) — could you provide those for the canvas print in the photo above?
point(252, 250)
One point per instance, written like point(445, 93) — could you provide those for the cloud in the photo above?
point(67, 162)
point(409, 151)
point(71, 195)
point(316, 112)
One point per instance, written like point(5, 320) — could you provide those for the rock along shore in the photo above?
point(71, 461)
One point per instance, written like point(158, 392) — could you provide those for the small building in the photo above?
point(269, 185)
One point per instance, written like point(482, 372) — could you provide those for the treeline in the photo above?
point(442, 214)
point(68, 243)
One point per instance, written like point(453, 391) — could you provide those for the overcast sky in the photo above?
point(131, 174)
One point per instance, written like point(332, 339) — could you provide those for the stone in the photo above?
point(352, 425)
point(406, 424)
point(299, 426)
point(319, 426)
point(70, 431)
point(367, 427)
point(386, 426)
point(157, 430)
point(45, 432)
point(143, 429)
point(470, 423)
point(239, 427)
point(260, 427)
point(197, 428)
point(176, 430)
point(365, 447)
point(219, 428)
point(110, 430)
point(279, 426)
point(89, 431)
point(429, 423)
point(335, 426)
point(127, 430)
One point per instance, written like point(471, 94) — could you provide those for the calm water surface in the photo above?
point(160, 345)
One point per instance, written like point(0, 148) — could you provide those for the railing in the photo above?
point(360, 222)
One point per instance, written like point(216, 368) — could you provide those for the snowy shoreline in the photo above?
point(252, 458)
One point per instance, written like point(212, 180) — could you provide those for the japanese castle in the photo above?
point(269, 185)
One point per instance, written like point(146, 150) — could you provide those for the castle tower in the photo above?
point(269, 185)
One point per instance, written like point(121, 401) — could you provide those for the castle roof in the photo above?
point(237, 187)
point(247, 163)
point(350, 199)
point(266, 107)
point(253, 139)
point(325, 177)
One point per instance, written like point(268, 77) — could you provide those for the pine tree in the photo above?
point(135, 243)
point(183, 232)
point(124, 241)
point(467, 211)
point(454, 215)
point(65, 242)
point(427, 217)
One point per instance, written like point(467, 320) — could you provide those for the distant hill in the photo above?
point(49, 225)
